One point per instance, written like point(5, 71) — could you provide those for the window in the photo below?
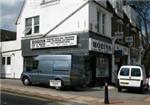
point(124, 72)
point(32, 25)
point(28, 29)
point(103, 23)
point(36, 24)
point(135, 72)
point(8, 60)
point(3, 61)
point(98, 21)
point(30, 62)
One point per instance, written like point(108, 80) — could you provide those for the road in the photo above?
point(93, 92)
point(15, 99)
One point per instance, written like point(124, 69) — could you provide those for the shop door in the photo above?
point(102, 70)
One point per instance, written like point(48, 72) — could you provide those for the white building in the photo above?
point(80, 27)
point(11, 58)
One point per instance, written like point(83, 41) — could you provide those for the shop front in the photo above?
point(121, 57)
point(94, 53)
point(100, 50)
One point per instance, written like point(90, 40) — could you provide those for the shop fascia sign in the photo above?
point(122, 48)
point(100, 46)
point(129, 39)
point(119, 35)
point(55, 41)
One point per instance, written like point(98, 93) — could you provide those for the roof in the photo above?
point(6, 35)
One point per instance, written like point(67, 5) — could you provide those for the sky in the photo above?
point(9, 11)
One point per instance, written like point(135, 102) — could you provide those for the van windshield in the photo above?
point(124, 72)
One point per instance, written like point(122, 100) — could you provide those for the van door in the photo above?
point(123, 77)
point(136, 76)
point(45, 71)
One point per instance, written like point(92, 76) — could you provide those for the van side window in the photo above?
point(124, 72)
point(135, 72)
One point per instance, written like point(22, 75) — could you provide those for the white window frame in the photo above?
point(32, 27)
point(101, 22)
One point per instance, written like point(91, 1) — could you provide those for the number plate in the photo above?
point(55, 83)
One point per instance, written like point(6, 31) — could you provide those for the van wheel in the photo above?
point(26, 81)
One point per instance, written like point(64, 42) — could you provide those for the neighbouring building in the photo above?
point(11, 65)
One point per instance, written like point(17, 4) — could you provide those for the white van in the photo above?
point(132, 77)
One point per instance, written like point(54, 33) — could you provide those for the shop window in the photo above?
point(32, 25)
point(3, 61)
point(30, 63)
point(8, 60)
point(102, 67)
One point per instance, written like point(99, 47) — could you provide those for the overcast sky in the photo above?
point(9, 11)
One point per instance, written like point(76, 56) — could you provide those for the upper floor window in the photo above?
point(103, 23)
point(101, 18)
point(32, 25)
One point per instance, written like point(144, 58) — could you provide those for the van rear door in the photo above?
point(124, 76)
point(136, 77)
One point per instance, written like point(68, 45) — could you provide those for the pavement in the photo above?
point(61, 96)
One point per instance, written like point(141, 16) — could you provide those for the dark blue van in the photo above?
point(55, 70)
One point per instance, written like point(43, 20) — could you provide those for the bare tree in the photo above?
point(143, 9)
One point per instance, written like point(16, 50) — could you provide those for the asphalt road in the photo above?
point(92, 92)
point(15, 99)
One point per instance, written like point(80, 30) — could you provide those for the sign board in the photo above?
point(124, 49)
point(119, 35)
point(129, 39)
point(56, 41)
point(100, 46)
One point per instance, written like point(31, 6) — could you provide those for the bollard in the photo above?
point(106, 98)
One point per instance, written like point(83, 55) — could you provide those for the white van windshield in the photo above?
point(124, 72)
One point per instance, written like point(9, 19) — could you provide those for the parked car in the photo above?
point(55, 70)
point(131, 76)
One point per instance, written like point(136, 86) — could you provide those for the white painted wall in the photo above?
point(93, 8)
point(52, 15)
point(15, 69)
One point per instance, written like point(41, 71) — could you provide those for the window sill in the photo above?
point(32, 36)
